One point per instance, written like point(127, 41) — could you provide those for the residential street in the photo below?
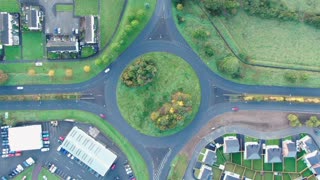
point(162, 35)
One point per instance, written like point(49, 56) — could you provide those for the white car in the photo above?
point(107, 70)
point(59, 148)
point(20, 87)
point(44, 149)
point(38, 64)
point(46, 142)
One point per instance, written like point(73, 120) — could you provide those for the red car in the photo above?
point(45, 139)
point(11, 155)
point(61, 138)
point(235, 109)
point(102, 115)
point(113, 166)
point(18, 154)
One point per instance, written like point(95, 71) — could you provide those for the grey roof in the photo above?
point(274, 155)
point(231, 145)
point(88, 151)
point(315, 161)
point(227, 177)
point(89, 36)
point(291, 149)
point(5, 28)
point(62, 46)
point(253, 151)
point(311, 145)
point(33, 19)
point(206, 174)
point(211, 158)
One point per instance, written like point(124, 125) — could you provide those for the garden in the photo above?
point(9, 6)
point(32, 45)
point(267, 40)
point(159, 94)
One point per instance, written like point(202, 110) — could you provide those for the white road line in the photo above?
point(68, 168)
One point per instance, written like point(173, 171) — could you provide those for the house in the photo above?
point(289, 148)
point(89, 30)
point(273, 154)
point(230, 144)
point(313, 162)
point(307, 144)
point(6, 29)
point(204, 173)
point(252, 150)
point(209, 157)
point(62, 46)
point(32, 17)
point(231, 176)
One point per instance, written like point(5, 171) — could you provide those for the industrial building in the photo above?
point(25, 138)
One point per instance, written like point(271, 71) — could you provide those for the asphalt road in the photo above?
point(159, 35)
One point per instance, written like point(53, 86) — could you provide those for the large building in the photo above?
point(25, 138)
point(89, 151)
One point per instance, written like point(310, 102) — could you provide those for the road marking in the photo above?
point(70, 162)
point(79, 176)
point(55, 159)
point(68, 168)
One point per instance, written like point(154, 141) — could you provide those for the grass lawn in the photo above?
point(138, 164)
point(273, 142)
point(195, 18)
point(236, 158)
point(268, 175)
point(64, 7)
point(12, 53)
point(307, 173)
point(257, 164)
point(87, 51)
point(258, 176)
point(85, 7)
point(247, 163)
point(278, 167)
point(277, 177)
point(27, 172)
point(220, 158)
point(137, 104)
point(178, 167)
point(249, 173)
point(239, 170)
point(32, 45)
point(229, 167)
point(301, 165)
point(48, 174)
point(250, 139)
point(267, 166)
point(9, 6)
point(289, 164)
point(109, 19)
point(216, 173)
point(286, 176)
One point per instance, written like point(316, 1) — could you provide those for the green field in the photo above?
point(236, 158)
point(289, 164)
point(216, 172)
point(194, 18)
point(32, 45)
point(48, 174)
point(257, 164)
point(9, 6)
point(273, 142)
point(109, 19)
point(137, 104)
point(64, 8)
point(136, 161)
point(307, 6)
point(12, 52)
point(85, 7)
point(87, 51)
point(27, 172)
point(178, 167)
point(271, 42)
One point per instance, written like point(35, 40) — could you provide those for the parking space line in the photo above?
point(79, 176)
point(71, 162)
point(68, 168)
point(55, 159)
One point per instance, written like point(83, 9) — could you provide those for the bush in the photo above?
point(172, 114)
point(230, 65)
point(3, 77)
point(199, 33)
point(140, 73)
point(291, 76)
point(208, 49)
point(216, 7)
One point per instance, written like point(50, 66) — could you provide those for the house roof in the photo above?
point(273, 154)
point(34, 16)
point(62, 45)
point(289, 149)
point(89, 36)
point(231, 144)
point(231, 176)
point(210, 157)
point(310, 144)
point(314, 160)
point(252, 151)
point(206, 173)
point(4, 28)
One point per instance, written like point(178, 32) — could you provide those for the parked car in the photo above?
point(61, 138)
point(113, 166)
point(44, 149)
point(107, 70)
point(45, 139)
point(38, 63)
point(235, 109)
point(20, 88)
point(102, 115)
point(46, 142)
point(45, 135)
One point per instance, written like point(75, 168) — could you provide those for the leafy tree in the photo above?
point(139, 73)
point(3, 77)
point(31, 72)
point(313, 122)
point(134, 23)
point(294, 120)
point(69, 73)
point(199, 33)
point(51, 73)
point(230, 65)
point(179, 7)
point(87, 68)
point(291, 76)
point(304, 76)
point(216, 7)
point(141, 14)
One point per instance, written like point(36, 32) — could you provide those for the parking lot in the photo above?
point(65, 165)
